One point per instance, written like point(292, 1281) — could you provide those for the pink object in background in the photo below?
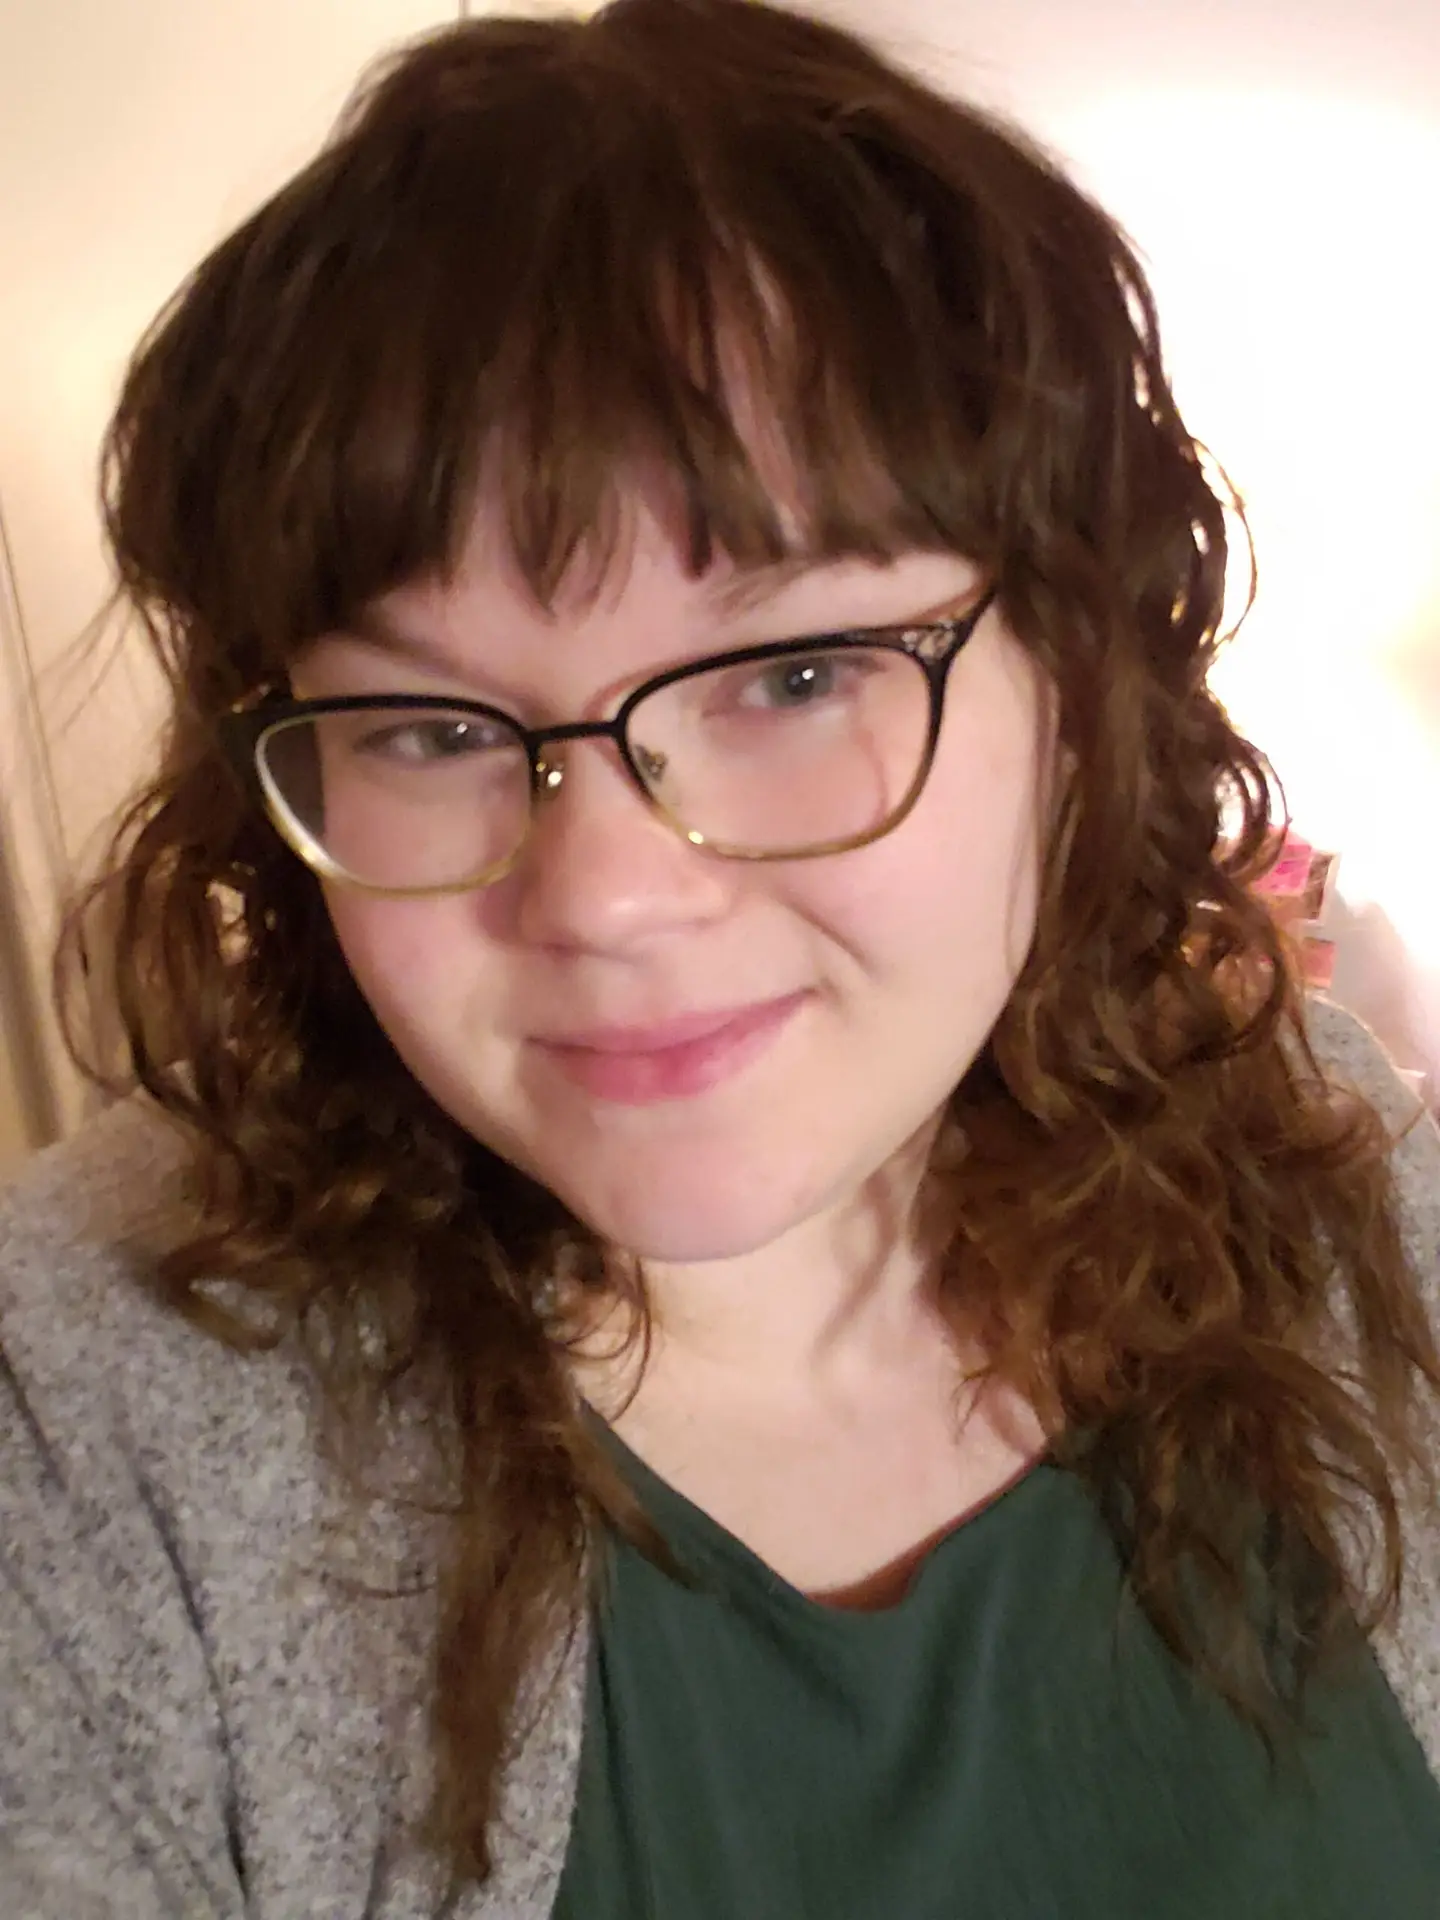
point(1290, 874)
point(1317, 960)
point(1296, 888)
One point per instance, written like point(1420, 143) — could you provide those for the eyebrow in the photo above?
point(373, 627)
point(750, 585)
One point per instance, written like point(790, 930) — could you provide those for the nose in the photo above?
point(601, 870)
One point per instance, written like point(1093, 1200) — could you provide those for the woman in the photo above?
point(737, 1280)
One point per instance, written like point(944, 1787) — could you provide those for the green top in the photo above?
point(1008, 1742)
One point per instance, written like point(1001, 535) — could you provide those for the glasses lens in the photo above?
point(789, 753)
point(400, 796)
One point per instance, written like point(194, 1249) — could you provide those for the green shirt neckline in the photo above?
point(1007, 1741)
point(711, 1552)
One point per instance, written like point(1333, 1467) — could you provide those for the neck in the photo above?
point(840, 1297)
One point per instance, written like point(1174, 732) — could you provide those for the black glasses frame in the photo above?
point(934, 645)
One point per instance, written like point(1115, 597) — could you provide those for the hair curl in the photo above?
point(530, 248)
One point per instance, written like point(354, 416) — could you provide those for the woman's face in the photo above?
point(857, 987)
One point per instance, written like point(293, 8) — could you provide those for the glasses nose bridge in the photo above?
point(549, 774)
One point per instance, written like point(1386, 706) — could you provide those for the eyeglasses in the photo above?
point(778, 752)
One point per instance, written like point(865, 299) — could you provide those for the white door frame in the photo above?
point(45, 1088)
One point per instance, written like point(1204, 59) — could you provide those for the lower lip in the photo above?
point(680, 1072)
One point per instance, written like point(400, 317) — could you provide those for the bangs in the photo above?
point(536, 282)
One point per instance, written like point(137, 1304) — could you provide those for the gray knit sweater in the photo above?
point(198, 1717)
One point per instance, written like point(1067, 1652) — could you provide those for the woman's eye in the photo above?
point(801, 682)
point(421, 742)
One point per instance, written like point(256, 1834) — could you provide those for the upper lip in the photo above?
point(653, 1036)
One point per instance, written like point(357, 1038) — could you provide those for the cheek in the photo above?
point(949, 898)
point(991, 806)
point(403, 956)
point(946, 917)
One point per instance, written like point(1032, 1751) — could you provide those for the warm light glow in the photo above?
point(1291, 245)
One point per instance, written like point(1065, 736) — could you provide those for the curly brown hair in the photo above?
point(524, 250)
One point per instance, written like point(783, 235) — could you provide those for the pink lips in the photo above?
point(673, 1060)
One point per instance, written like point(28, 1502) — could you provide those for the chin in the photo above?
point(681, 1186)
point(674, 1239)
point(722, 1221)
